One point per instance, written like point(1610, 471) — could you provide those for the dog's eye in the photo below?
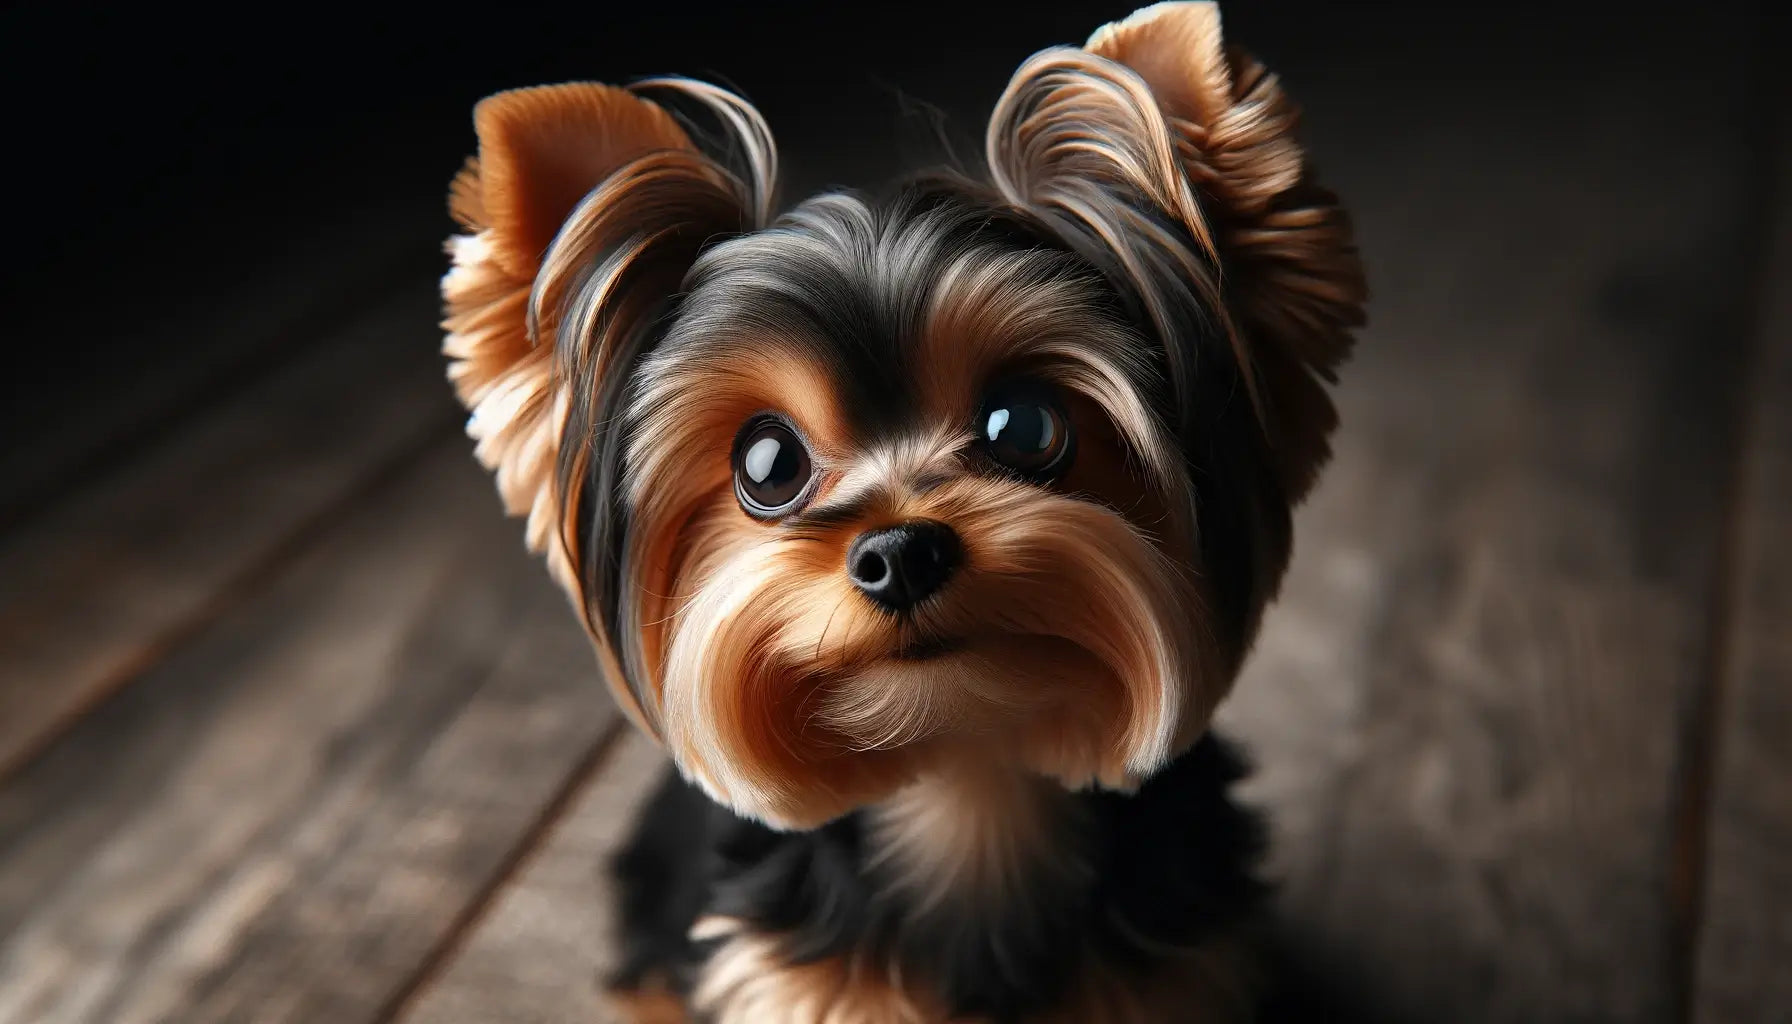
point(1026, 431)
point(771, 468)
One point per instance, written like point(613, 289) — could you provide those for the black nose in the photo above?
point(899, 565)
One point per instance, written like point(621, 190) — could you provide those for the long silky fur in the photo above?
point(1151, 243)
point(1067, 907)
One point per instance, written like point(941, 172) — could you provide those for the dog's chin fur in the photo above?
point(1149, 249)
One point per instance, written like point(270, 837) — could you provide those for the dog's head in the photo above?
point(983, 468)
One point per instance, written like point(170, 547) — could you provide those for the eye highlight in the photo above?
point(1024, 428)
point(772, 469)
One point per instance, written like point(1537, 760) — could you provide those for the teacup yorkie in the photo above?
point(924, 531)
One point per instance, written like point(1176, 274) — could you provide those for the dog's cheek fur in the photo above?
point(1042, 564)
point(780, 696)
point(683, 518)
point(740, 697)
point(722, 633)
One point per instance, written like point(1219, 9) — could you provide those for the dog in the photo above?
point(924, 529)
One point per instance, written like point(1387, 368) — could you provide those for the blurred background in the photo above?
point(292, 730)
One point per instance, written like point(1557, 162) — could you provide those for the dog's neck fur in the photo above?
point(981, 877)
point(988, 888)
point(979, 836)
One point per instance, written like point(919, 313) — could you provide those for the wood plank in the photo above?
point(1466, 706)
point(284, 820)
point(183, 331)
point(95, 591)
point(1744, 957)
point(536, 957)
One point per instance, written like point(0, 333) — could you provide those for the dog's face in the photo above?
point(896, 489)
point(994, 471)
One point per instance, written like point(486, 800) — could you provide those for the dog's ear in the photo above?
point(1157, 107)
point(583, 210)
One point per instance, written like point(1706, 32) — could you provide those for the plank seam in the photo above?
point(232, 591)
point(534, 839)
point(1701, 738)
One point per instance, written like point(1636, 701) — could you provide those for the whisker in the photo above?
point(829, 624)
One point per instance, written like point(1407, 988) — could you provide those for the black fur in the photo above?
point(811, 276)
point(1171, 866)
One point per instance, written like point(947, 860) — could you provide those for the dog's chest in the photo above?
point(988, 898)
point(969, 898)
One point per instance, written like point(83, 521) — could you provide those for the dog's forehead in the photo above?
point(903, 312)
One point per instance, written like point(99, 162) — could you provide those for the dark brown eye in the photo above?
point(771, 468)
point(1027, 431)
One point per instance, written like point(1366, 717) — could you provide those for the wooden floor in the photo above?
point(292, 730)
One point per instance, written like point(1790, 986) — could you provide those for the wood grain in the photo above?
point(1744, 957)
point(1466, 708)
point(186, 331)
point(97, 590)
point(537, 955)
point(287, 817)
point(357, 704)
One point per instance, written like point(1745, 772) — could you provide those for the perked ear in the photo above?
point(583, 210)
point(1157, 104)
point(540, 151)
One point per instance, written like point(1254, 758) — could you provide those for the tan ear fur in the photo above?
point(1290, 269)
point(540, 151)
point(583, 210)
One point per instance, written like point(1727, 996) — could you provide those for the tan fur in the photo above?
point(773, 682)
point(687, 519)
point(540, 151)
point(1294, 278)
point(564, 172)
point(647, 221)
point(1158, 103)
point(1075, 652)
point(970, 830)
point(990, 316)
point(1075, 655)
point(748, 981)
point(777, 688)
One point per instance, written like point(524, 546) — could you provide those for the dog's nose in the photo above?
point(898, 566)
